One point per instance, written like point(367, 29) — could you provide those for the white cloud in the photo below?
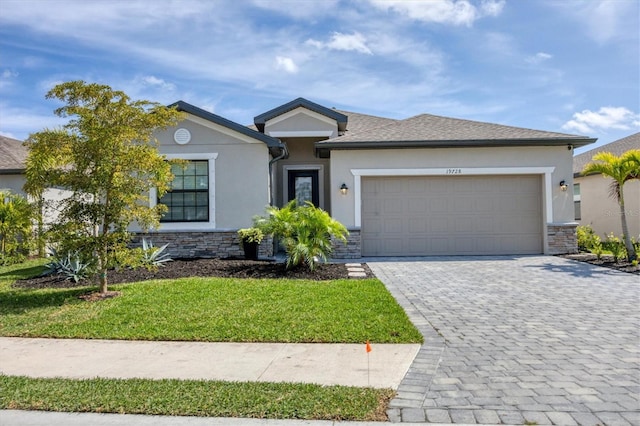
point(605, 118)
point(454, 12)
point(347, 42)
point(604, 20)
point(286, 64)
point(538, 58)
point(150, 80)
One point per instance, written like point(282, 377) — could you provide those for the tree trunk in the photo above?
point(631, 252)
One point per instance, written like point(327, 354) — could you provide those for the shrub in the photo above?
point(615, 246)
point(15, 228)
point(70, 265)
point(152, 257)
point(305, 231)
point(587, 238)
point(250, 235)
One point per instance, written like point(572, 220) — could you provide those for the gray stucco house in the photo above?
point(426, 185)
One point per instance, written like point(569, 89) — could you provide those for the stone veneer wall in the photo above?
point(209, 244)
point(351, 250)
point(562, 238)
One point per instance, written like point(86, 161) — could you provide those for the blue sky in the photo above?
point(569, 66)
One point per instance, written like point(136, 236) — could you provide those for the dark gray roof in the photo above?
point(13, 156)
point(428, 130)
point(261, 119)
point(199, 112)
point(616, 148)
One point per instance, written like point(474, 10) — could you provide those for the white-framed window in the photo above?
point(191, 201)
point(576, 201)
point(188, 199)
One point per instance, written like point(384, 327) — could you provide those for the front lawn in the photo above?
point(209, 309)
point(195, 398)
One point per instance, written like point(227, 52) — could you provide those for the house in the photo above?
point(426, 185)
point(593, 205)
point(13, 156)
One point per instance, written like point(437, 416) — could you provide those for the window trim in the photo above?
point(194, 191)
point(577, 212)
point(191, 226)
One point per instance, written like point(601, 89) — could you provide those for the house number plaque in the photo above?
point(454, 171)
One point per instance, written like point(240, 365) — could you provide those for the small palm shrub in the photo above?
point(305, 231)
point(15, 228)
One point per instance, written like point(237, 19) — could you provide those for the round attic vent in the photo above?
point(182, 136)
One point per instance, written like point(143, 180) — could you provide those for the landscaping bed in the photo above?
point(222, 268)
point(605, 260)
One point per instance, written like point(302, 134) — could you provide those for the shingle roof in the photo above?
point(616, 148)
point(13, 155)
point(435, 131)
point(360, 122)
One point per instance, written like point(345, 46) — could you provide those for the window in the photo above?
point(188, 199)
point(576, 201)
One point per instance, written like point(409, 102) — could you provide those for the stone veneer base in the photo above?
point(561, 238)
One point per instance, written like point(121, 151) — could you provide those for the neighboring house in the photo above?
point(593, 205)
point(426, 185)
point(13, 156)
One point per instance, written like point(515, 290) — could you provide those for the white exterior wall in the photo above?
point(602, 212)
point(553, 164)
point(13, 183)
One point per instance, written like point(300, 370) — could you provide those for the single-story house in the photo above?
point(425, 185)
point(593, 205)
point(13, 156)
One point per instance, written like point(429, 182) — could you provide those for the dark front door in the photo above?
point(303, 186)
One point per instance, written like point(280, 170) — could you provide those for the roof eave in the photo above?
point(198, 112)
point(470, 143)
point(261, 120)
point(12, 171)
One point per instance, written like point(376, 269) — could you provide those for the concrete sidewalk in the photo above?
point(325, 364)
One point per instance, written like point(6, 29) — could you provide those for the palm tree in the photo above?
point(621, 169)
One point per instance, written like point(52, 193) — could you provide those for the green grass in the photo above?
point(209, 309)
point(195, 398)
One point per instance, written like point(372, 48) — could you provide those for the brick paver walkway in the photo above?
point(518, 339)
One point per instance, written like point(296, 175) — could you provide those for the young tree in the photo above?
point(107, 156)
point(621, 169)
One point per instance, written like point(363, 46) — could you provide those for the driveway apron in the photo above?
point(510, 340)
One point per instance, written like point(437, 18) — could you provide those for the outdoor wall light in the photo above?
point(344, 189)
point(563, 186)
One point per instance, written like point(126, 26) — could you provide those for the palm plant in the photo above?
point(305, 231)
point(621, 169)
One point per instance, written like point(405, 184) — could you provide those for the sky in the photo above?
point(569, 66)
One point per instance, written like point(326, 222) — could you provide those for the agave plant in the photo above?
point(154, 256)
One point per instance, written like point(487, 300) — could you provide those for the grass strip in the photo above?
point(210, 309)
point(195, 398)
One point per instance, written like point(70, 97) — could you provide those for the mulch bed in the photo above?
point(606, 261)
point(241, 268)
point(182, 268)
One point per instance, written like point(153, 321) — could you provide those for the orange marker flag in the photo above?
point(368, 347)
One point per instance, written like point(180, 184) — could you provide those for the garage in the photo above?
point(452, 215)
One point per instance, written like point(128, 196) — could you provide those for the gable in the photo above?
point(301, 122)
point(340, 119)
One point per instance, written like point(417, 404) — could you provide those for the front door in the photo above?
point(303, 186)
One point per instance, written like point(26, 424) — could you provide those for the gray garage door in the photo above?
point(460, 215)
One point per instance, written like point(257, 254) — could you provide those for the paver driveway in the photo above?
point(515, 339)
